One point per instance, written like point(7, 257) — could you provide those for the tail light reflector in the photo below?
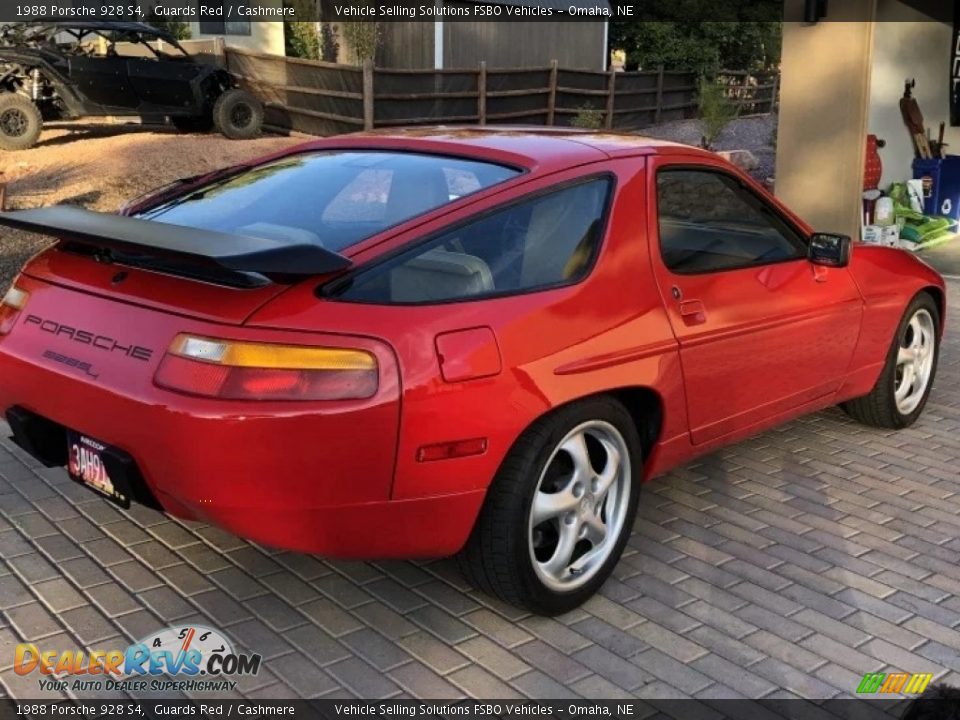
point(11, 305)
point(232, 370)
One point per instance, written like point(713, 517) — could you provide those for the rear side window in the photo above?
point(540, 242)
point(709, 222)
point(332, 199)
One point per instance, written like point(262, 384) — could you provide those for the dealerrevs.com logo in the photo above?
point(186, 658)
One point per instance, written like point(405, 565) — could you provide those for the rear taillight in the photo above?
point(10, 307)
point(234, 370)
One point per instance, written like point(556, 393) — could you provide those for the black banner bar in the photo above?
point(808, 11)
point(771, 709)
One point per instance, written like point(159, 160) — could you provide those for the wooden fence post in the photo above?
point(482, 92)
point(552, 95)
point(657, 112)
point(774, 91)
point(368, 94)
point(611, 95)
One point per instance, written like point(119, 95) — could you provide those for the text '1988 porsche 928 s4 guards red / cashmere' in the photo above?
point(439, 341)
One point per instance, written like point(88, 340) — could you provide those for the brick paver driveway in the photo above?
point(787, 565)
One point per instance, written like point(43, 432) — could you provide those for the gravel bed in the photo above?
point(755, 134)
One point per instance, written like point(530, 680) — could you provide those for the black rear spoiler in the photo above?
point(238, 253)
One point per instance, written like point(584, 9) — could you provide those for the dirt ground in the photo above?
point(102, 166)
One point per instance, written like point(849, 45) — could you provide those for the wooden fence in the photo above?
point(323, 98)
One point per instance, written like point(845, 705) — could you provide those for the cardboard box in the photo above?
point(890, 236)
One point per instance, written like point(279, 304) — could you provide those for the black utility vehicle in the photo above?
point(89, 69)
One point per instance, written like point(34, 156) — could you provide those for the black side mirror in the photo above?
point(829, 249)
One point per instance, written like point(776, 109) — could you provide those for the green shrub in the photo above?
point(362, 39)
point(301, 40)
point(588, 118)
point(716, 110)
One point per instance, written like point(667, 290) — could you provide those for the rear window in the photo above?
point(332, 199)
point(544, 241)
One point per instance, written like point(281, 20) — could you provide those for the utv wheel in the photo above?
point(20, 122)
point(199, 124)
point(238, 115)
point(560, 510)
point(898, 398)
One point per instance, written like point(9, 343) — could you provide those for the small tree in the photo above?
point(329, 43)
point(716, 110)
point(363, 39)
point(301, 40)
point(588, 118)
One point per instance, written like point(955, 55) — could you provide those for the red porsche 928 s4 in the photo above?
point(447, 340)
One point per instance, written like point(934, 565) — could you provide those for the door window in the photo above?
point(709, 222)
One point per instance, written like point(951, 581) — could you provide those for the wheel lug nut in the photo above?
point(578, 490)
point(570, 518)
point(594, 485)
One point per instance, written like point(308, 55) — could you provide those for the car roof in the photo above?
point(544, 149)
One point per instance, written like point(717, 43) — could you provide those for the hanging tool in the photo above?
point(913, 119)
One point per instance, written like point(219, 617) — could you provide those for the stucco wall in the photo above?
point(823, 113)
point(908, 48)
point(264, 37)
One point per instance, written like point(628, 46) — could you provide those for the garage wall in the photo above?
point(824, 96)
point(908, 45)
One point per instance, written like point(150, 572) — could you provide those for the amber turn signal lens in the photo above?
point(13, 302)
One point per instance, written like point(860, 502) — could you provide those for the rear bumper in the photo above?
point(307, 479)
point(422, 528)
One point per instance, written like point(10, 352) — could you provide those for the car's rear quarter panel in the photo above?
point(606, 332)
point(199, 452)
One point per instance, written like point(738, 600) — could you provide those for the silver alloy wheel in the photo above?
point(914, 361)
point(580, 505)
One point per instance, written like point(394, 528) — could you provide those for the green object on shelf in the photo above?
point(899, 194)
point(916, 227)
point(929, 229)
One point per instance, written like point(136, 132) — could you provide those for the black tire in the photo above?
point(879, 407)
point(195, 124)
point(20, 122)
point(238, 114)
point(498, 556)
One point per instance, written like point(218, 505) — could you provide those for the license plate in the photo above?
point(86, 465)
